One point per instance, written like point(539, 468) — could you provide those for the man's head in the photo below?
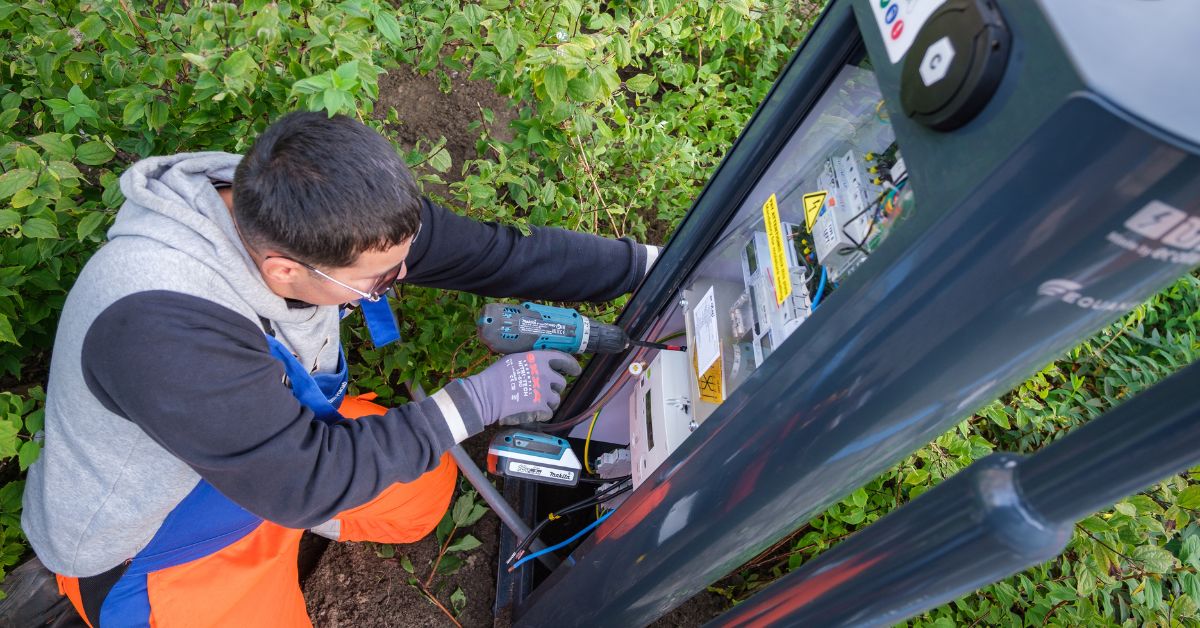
point(319, 198)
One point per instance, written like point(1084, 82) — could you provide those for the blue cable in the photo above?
point(820, 290)
point(565, 543)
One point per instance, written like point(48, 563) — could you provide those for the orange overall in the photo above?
point(211, 563)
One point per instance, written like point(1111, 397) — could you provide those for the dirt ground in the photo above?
point(351, 585)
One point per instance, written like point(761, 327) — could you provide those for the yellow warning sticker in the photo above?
point(783, 279)
point(813, 201)
point(711, 383)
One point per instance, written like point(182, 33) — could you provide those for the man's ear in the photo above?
point(281, 270)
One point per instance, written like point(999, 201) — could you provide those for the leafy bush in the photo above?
point(623, 109)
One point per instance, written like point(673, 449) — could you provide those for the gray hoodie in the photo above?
point(161, 373)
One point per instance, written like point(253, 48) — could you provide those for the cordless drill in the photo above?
point(508, 328)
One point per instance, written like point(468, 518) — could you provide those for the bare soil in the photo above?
point(351, 585)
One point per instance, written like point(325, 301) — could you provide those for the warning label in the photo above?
point(783, 279)
point(710, 383)
point(813, 201)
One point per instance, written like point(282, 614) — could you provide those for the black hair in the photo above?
point(324, 190)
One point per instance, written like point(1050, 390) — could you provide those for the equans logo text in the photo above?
point(1068, 292)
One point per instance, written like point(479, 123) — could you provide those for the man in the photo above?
point(195, 415)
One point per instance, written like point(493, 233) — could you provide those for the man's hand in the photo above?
point(522, 387)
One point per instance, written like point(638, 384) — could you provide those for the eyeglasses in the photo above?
point(381, 285)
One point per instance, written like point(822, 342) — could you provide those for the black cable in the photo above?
point(621, 486)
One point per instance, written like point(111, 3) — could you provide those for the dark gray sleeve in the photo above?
point(495, 260)
point(198, 378)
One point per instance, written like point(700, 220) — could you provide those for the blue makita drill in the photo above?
point(508, 328)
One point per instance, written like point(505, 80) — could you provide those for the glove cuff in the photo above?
point(460, 409)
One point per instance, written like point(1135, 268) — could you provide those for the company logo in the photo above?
point(1162, 233)
point(1069, 292)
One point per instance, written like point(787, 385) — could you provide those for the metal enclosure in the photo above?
point(1070, 196)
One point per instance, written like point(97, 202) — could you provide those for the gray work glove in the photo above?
point(522, 387)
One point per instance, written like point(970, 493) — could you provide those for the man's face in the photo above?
point(373, 272)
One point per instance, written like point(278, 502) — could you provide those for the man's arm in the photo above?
point(199, 380)
point(499, 261)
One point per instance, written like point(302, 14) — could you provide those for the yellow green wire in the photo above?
point(587, 443)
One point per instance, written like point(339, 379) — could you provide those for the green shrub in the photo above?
point(623, 110)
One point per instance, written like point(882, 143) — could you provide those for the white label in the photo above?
point(936, 62)
point(1155, 220)
point(708, 344)
point(543, 472)
point(899, 21)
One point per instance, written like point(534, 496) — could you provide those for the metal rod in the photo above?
point(997, 517)
point(1136, 444)
point(479, 480)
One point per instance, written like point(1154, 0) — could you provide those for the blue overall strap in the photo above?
point(381, 321)
point(321, 393)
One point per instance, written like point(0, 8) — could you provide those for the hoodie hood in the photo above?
point(171, 200)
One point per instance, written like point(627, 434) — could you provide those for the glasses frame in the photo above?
point(385, 282)
point(382, 285)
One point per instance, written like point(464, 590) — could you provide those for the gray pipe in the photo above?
point(489, 493)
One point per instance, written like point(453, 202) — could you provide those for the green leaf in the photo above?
point(462, 509)
point(477, 513)
point(582, 88)
point(505, 41)
point(1183, 606)
point(313, 84)
point(385, 550)
point(859, 497)
point(35, 421)
point(1153, 558)
point(239, 65)
point(1126, 509)
point(555, 80)
point(39, 228)
point(1095, 525)
point(458, 600)
point(387, 25)
point(6, 331)
point(55, 145)
point(440, 160)
point(1189, 497)
point(92, 27)
point(8, 439)
point(95, 153)
point(443, 528)
point(346, 76)
point(465, 544)
point(89, 224)
point(1145, 505)
point(16, 180)
point(916, 476)
point(9, 218)
point(75, 96)
point(64, 170)
point(640, 83)
point(450, 564)
point(407, 565)
point(156, 114)
point(28, 454)
point(8, 117)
